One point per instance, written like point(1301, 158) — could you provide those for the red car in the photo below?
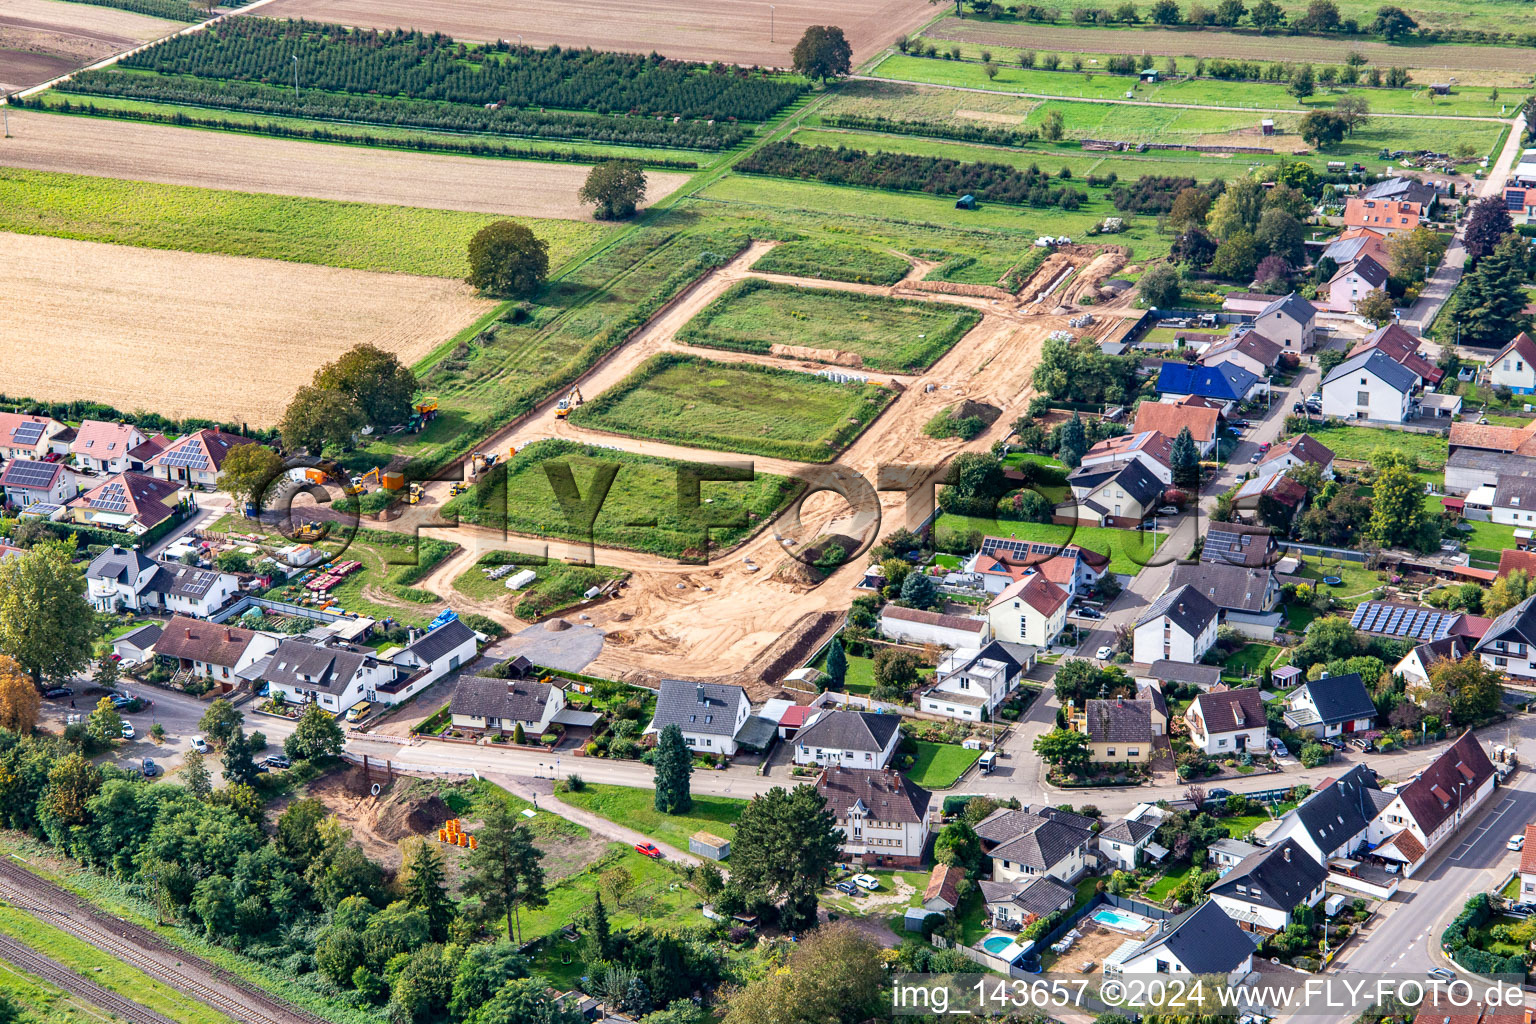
point(648, 849)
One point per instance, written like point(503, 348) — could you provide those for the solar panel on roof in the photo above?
point(27, 434)
point(1392, 620)
point(1359, 616)
point(30, 474)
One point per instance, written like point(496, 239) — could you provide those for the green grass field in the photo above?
point(643, 510)
point(940, 765)
point(1249, 660)
point(558, 586)
point(739, 407)
point(1358, 581)
point(655, 896)
point(635, 808)
point(886, 334)
point(833, 261)
point(360, 236)
point(1123, 547)
point(1359, 443)
point(1166, 884)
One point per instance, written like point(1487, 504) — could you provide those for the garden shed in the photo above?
point(707, 844)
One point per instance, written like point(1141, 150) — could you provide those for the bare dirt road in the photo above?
point(190, 334)
point(288, 167)
point(42, 39)
point(735, 31)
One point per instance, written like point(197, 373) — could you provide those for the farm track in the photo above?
point(55, 973)
point(146, 951)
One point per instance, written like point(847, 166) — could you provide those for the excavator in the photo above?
point(569, 402)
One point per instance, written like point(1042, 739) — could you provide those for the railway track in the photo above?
point(34, 963)
point(191, 975)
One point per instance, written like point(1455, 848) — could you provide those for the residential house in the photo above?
point(1290, 320)
point(1400, 345)
point(1417, 664)
point(1119, 731)
point(1247, 599)
point(1301, 450)
point(1370, 386)
point(1332, 821)
point(1125, 842)
point(918, 626)
point(1161, 671)
point(1250, 350)
point(1117, 494)
point(119, 579)
point(1226, 854)
point(1154, 692)
point(1432, 807)
point(1330, 706)
point(709, 714)
point(1025, 845)
point(970, 683)
point(1352, 282)
point(329, 672)
point(1169, 418)
point(1179, 626)
point(196, 458)
point(1002, 561)
point(1514, 501)
point(943, 892)
point(27, 482)
point(1226, 383)
point(1202, 941)
point(28, 437)
point(101, 447)
point(1152, 448)
point(1507, 646)
point(130, 502)
point(1514, 366)
point(501, 705)
point(1240, 544)
point(1388, 216)
point(1520, 189)
point(219, 653)
point(1355, 243)
point(1528, 865)
point(1032, 611)
point(1481, 452)
point(137, 646)
point(139, 458)
point(1407, 190)
point(1021, 901)
point(1261, 891)
point(1226, 722)
point(1277, 487)
point(882, 815)
point(433, 655)
point(853, 739)
point(1247, 302)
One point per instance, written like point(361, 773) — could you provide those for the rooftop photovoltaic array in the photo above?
point(189, 455)
point(1424, 624)
point(30, 474)
point(111, 498)
point(1022, 550)
point(194, 582)
point(27, 434)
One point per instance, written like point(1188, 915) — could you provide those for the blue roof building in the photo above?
point(1221, 383)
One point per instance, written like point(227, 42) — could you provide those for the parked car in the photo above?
point(59, 691)
point(1168, 510)
point(869, 882)
point(151, 769)
point(128, 731)
point(1441, 974)
point(648, 850)
point(1516, 843)
point(1087, 612)
point(1254, 457)
point(1104, 653)
point(1264, 447)
point(199, 744)
point(1240, 422)
point(847, 887)
point(1217, 795)
point(278, 761)
point(1297, 407)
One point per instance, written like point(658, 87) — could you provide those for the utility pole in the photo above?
point(5, 111)
point(295, 78)
point(770, 23)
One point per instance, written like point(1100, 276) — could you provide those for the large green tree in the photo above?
point(317, 737)
point(785, 846)
point(105, 725)
point(1065, 747)
point(239, 764)
point(1490, 304)
point(837, 664)
point(425, 887)
point(376, 380)
point(835, 976)
point(221, 721)
point(248, 472)
point(822, 53)
point(316, 417)
point(45, 622)
point(507, 259)
point(1471, 690)
point(505, 870)
point(615, 188)
point(674, 764)
point(1184, 458)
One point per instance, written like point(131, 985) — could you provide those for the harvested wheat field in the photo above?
point(195, 335)
point(728, 30)
point(287, 167)
point(42, 39)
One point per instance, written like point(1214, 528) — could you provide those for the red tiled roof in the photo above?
point(150, 448)
point(1036, 591)
point(1510, 560)
point(1489, 437)
point(1170, 419)
point(143, 497)
point(1433, 796)
point(101, 440)
point(196, 640)
point(944, 883)
point(1304, 448)
point(1528, 852)
point(212, 444)
point(13, 478)
point(1396, 343)
point(1152, 442)
point(1406, 843)
point(794, 716)
point(961, 622)
point(9, 421)
point(1522, 345)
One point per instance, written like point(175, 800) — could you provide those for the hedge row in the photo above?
point(173, 10)
point(908, 172)
point(934, 129)
point(417, 144)
point(148, 422)
point(1456, 939)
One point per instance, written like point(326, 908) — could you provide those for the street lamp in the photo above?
point(295, 78)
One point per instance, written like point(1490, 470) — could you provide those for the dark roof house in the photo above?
point(1186, 607)
point(1032, 840)
point(1203, 940)
point(1118, 720)
point(515, 700)
point(698, 708)
point(1278, 877)
point(1229, 587)
point(850, 730)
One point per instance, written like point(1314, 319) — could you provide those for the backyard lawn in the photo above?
point(1127, 549)
point(1241, 825)
point(1358, 580)
point(940, 765)
point(1249, 660)
point(860, 677)
point(1165, 885)
point(635, 808)
point(1358, 443)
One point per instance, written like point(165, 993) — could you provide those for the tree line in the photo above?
point(332, 58)
point(989, 182)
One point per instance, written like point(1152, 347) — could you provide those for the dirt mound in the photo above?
point(821, 355)
point(980, 291)
point(1045, 275)
point(556, 625)
point(1086, 284)
point(969, 407)
point(400, 819)
point(795, 573)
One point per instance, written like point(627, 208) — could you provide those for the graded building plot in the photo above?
point(642, 510)
point(42, 39)
point(736, 407)
point(1492, 65)
point(833, 261)
point(735, 31)
point(199, 335)
point(840, 327)
point(248, 163)
point(358, 236)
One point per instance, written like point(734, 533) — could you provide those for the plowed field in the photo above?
point(42, 39)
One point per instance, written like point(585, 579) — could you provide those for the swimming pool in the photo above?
point(995, 944)
point(1122, 920)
